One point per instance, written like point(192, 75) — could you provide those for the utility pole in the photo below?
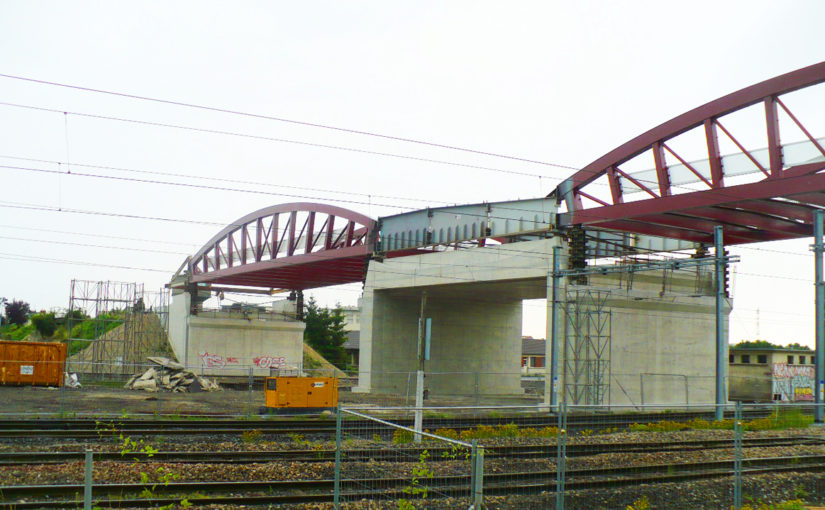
point(721, 340)
point(419, 382)
point(820, 319)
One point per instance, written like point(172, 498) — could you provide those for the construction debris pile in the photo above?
point(170, 376)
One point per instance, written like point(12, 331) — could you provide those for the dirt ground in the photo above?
point(29, 402)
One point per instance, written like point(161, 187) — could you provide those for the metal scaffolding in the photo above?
point(587, 347)
point(114, 326)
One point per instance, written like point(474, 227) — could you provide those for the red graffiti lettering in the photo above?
point(269, 362)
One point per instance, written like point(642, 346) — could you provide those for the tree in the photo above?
point(325, 332)
point(17, 312)
point(45, 324)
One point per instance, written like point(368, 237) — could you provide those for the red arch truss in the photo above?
point(778, 205)
point(289, 246)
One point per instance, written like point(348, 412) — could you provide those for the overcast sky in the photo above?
point(558, 82)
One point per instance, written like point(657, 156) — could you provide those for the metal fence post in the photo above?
point(642, 388)
point(478, 397)
point(336, 494)
point(737, 457)
point(87, 482)
point(249, 396)
point(561, 456)
point(63, 397)
point(477, 470)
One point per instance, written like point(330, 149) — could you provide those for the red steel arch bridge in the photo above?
point(305, 245)
point(733, 191)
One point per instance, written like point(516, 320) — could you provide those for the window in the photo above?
point(271, 384)
point(538, 362)
point(790, 360)
point(730, 358)
point(746, 358)
point(762, 358)
point(802, 360)
point(524, 361)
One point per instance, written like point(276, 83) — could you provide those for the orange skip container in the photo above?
point(32, 363)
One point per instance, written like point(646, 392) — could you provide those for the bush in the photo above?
point(45, 324)
point(17, 312)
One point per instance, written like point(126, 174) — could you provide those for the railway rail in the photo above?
point(305, 491)
point(89, 428)
point(326, 455)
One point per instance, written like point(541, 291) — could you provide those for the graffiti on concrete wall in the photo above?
point(269, 362)
point(212, 360)
point(209, 360)
point(793, 382)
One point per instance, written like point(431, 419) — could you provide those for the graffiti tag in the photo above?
point(793, 382)
point(269, 362)
point(212, 360)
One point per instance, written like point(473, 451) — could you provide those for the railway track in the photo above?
point(364, 454)
point(305, 491)
point(87, 428)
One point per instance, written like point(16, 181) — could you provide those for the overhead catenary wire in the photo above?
point(87, 245)
point(275, 139)
point(87, 234)
point(32, 258)
point(286, 120)
point(223, 179)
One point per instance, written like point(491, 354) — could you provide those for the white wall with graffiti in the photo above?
point(793, 383)
point(220, 345)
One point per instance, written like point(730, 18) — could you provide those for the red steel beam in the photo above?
point(717, 175)
point(748, 96)
point(774, 142)
point(661, 169)
point(765, 189)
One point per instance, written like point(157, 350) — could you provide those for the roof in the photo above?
point(532, 347)
point(353, 340)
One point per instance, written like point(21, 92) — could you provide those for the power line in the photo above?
point(217, 179)
point(285, 120)
point(38, 207)
point(96, 235)
point(200, 186)
point(52, 241)
point(273, 139)
point(32, 258)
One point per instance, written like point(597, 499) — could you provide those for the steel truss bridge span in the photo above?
point(305, 245)
point(686, 200)
point(293, 246)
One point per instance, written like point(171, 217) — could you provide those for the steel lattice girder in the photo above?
point(289, 246)
point(778, 207)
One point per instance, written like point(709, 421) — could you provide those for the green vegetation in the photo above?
point(325, 333)
point(16, 332)
point(17, 312)
point(252, 436)
point(91, 329)
point(401, 436)
point(764, 344)
point(640, 504)
point(782, 419)
point(45, 324)
point(794, 504)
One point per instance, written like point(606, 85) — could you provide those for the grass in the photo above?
point(15, 332)
point(780, 420)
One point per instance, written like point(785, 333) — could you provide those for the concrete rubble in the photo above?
point(171, 376)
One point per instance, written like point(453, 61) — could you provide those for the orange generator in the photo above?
point(32, 363)
point(301, 393)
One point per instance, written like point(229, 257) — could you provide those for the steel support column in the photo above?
point(554, 326)
point(721, 341)
point(820, 317)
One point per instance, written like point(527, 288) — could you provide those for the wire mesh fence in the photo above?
point(391, 465)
